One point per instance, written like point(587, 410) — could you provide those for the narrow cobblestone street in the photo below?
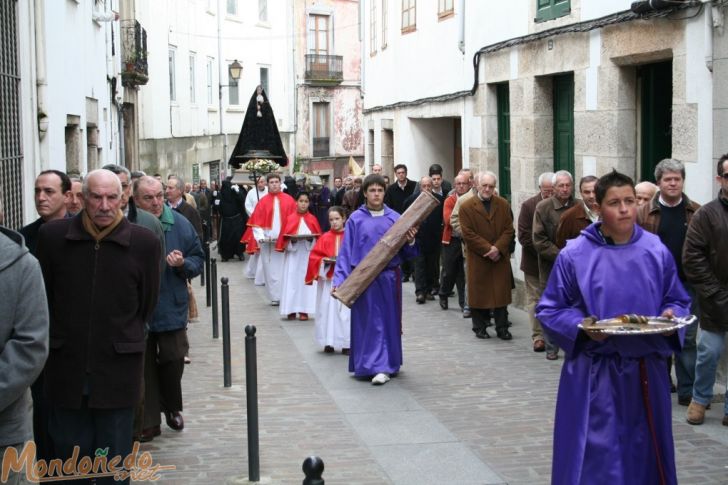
point(461, 411)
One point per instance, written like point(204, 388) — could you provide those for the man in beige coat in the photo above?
point(486, 223)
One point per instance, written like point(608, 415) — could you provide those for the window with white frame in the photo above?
point(193, 98)
point(172, 71)
point(318, 34)
point(210, 66)
point(409, 18)
point(263, 10)
point(232, 7)
point(445, 8)
point(264, 80)
point(320, 132)
point(372, 27)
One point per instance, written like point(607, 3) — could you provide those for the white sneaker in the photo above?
point(380, 379)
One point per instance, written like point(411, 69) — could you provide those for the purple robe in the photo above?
point(601, 433)
point(376, 316)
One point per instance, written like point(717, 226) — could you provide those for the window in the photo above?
point(233, 92)
point(172, 88)
point(232, 7)
point(192, 78)
point(264, 80)
point(373, 27)
point(445, 8)
point(320, 124)
point(210, 64)
point(551, 9)
point(384, 24)
point(409, 10)
point(263, 10)
point(318, 34)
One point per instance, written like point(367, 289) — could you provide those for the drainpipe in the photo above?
point(294, 85)
point(461, 26)
point(41, 82)
point(220, 64)
point(708, 32)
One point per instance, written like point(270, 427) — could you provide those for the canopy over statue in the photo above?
point(259, 133)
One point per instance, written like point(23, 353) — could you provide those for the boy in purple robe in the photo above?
point(613, 412)
point(376, 316)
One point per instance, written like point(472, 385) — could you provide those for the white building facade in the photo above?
point(528, 86)
point(191, 46)
point(61, 95)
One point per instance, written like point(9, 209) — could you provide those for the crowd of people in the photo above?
point(98, 288)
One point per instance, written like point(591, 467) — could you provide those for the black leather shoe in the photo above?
point(175, 421)
point(429, 296)
point(482, 333)
point(420, 299)
point(443, 303)
point(148, 434)
point(504, 334)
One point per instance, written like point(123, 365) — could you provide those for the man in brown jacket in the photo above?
point(545, 222)
point(705, 261)
point(486, 223)
point(668, 215)
point(101, 275)
point(529, 257)
point(581, 215)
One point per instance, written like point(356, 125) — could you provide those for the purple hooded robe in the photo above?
point(601, 433)
point(376, 316)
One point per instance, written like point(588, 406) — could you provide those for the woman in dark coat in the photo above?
point(232, 221)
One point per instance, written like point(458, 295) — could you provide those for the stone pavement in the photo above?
point(461, 411)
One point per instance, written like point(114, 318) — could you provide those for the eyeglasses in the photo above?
point(725, 175)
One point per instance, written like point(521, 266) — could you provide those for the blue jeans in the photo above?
point(685, 360)
point(710, 348)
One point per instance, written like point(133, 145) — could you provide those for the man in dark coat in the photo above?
point(102, 280)
point(394, 198)
point(175, 198)
point(429, 236)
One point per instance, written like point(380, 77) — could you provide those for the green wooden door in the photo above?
point(504, 141)
point(564, 122)
point(656, 114)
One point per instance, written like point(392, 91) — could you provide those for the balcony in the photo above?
point(324, 69)
point(134, 68)
point(321, 147)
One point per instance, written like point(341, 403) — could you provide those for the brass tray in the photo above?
point(650, 325)
point(331, 260)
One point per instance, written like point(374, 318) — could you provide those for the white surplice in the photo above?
point(296, 295)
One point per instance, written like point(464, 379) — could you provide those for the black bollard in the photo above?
point(204, 238)
point(313, 468)
point(251, 391)
point(227, 377)
point(208, 291)
point(213, 279)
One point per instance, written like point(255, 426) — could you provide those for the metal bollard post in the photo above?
point(313, 468)
point(213, 284)
point(227, 377)
point(251, 391)
point(204, 238)
point(207, 272)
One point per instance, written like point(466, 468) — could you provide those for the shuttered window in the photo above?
point(551, 9)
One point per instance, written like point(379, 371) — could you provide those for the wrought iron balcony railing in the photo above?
point(324, 69)
point(134, 69)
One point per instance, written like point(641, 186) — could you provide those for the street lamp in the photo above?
point(234, 70)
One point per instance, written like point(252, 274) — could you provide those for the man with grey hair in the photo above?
point(102, 281)
point(668, 215)
point(546, 219)
point(645, 192)
point(377, 169)
point(167, 338)
point(486, 222)
point(176, 200)
point(529, 257)
point(455, 223)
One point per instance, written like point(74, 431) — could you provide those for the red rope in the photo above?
point(651, 419)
